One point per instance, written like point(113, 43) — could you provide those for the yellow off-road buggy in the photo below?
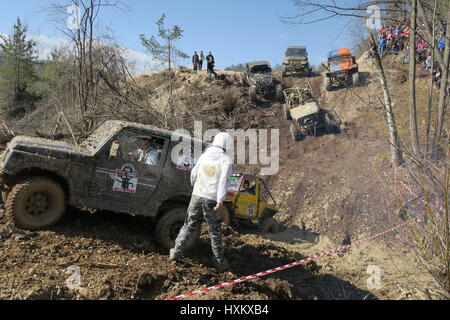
point(248, 198)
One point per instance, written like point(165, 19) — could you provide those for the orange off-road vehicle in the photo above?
point(341, 68)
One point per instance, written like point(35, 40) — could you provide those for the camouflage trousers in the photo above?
point(200, 208)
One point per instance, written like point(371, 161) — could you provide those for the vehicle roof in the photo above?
point(339, 52)
point(296, 47)
point(258, 63)
point(305, 110)
point(245, 176)
point(150, 129)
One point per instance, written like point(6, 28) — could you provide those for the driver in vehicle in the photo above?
point(148, 152)
point(246, 188)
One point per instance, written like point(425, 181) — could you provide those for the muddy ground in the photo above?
point(330, 192)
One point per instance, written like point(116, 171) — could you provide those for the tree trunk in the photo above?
point(396, 153)
point(430, 92)
point(412, 83)
point(442, 94)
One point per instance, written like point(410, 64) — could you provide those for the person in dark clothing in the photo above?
point(200, 61)
point(195, 61)
point(210, 66)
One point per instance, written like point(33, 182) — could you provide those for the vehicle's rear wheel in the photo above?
point(269, 225)
point(327, 122)
point(294, 133)
point(327, 83)
point(287, 112)
point(355, 79)
point(168, 227)
point(35, 203)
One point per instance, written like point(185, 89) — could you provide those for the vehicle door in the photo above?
point(128, 169)
point(247, 202)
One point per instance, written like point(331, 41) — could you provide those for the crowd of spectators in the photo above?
point(393, 38)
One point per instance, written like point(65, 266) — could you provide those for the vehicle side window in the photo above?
point(137, 147)
point(248, 187)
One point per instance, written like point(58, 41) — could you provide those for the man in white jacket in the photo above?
point(209, 178)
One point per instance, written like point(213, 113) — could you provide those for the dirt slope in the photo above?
point(329, 192)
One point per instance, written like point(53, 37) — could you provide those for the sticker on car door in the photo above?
point(126, 179)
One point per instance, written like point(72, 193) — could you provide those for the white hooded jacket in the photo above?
point(213, 169)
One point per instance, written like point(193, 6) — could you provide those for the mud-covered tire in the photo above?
point(327, 83)
point(327, 122)
point(269, 225)
point(252, 94)
point(287, 112)
point(283, 72)
point(225, 218)
point(356, 79)
point(279, 93)
point(168, 227)
point(294, 133)
point(35, 203)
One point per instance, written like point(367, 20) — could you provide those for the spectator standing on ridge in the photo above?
point(441, 44)
point(195, 61)
point(381, 45)
point(200, 61)
point(211, 63)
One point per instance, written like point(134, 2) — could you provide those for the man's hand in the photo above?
point(218, 206)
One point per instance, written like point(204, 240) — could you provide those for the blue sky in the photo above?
point(234, 30)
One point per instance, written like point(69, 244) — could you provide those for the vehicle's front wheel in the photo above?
point(355, 79)
point(279, 92)
point(252, 94)
point(35, 203)
point(327, 83)
point(269, 225)
point(284, 72)
point(168, 227)
point(287, 112)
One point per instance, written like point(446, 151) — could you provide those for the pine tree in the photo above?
point(166, 52)
point(18, 61)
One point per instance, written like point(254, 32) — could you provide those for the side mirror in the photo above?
point(114, 151)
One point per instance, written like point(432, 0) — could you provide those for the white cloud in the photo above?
point(141, 62)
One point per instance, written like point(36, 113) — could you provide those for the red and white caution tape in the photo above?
point(287, 266)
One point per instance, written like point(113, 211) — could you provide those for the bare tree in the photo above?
point(412, 82)
point(83, 39)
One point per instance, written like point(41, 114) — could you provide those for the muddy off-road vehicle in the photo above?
point(296, 62)
point(309, 118)
point(258, 76)
point(341, 68)
point(122, 167)
point(249, 199)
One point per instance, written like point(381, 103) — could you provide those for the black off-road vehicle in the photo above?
point(122, 167)
point(258, 76)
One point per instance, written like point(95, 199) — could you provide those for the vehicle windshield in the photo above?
point(99, 137)
point(234, 183)
point(261, 69)
point(296, 52)
point(343, 58)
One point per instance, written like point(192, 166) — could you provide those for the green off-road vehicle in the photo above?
point(296, 62)
point(122, 167)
